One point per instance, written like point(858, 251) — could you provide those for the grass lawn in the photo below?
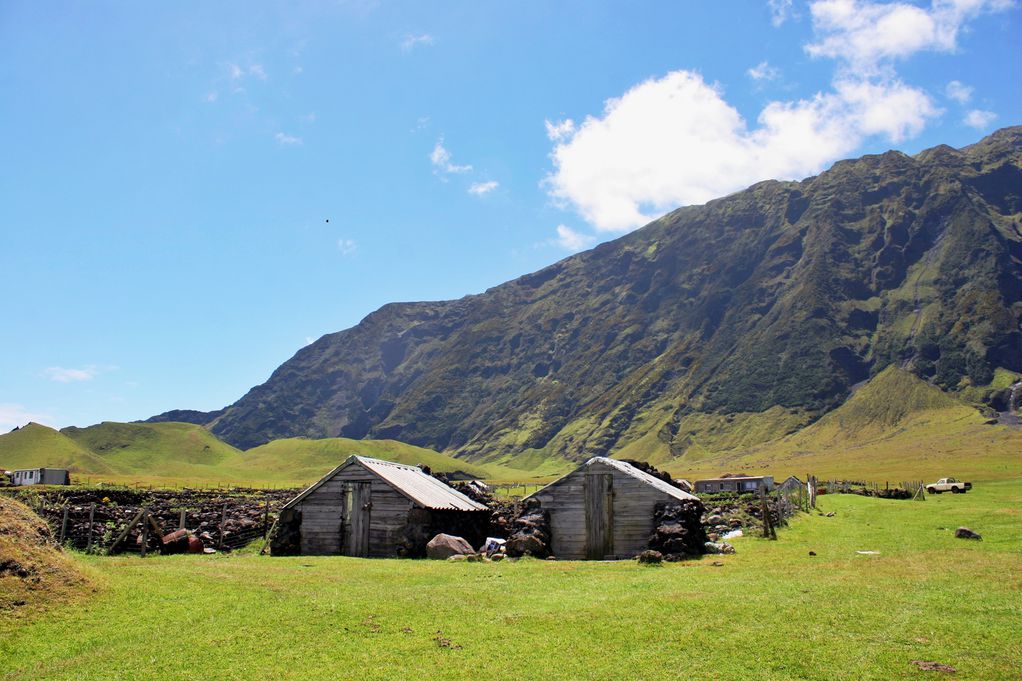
point(770, 612)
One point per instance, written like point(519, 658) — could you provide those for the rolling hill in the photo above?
point(716, 327)
point(163, 453)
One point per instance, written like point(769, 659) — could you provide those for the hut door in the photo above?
point(358, 505)
point(598, 489)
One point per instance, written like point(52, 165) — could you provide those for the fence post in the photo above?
point(92, 515)
point(181, 520)
point(63, 525)
point(145, 532)
point(266, 517)
point(223, 520)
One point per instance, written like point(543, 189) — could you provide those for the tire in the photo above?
point(930, 490)
point(955, 490)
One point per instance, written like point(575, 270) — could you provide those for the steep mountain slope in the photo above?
point(763, 307)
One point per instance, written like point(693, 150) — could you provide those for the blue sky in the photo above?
point(193, 191)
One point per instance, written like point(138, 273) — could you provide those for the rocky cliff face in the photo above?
point(776, 299)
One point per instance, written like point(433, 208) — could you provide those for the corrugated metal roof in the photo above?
point(425, 490)
point(631, 470)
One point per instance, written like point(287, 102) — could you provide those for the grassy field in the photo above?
point(772, 611)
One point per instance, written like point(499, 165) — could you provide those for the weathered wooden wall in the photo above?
point(630, 515)
point(323, 516)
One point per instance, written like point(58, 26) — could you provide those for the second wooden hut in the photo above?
point(604, 509)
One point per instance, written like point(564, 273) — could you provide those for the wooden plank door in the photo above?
point(598, 489)
point(358, 507)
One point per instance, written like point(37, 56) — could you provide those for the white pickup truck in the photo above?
point(949, 485)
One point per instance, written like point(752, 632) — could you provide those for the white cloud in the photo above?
point(287, 140)
point(346, 246)
point(864, 33)
point(480, 188)
point(309, 340)
point(410, 42)
point(560, 130)
point(675, 141)
point(573, 241)
point(441, 160)
point(234, 71)
point(780, 11)
point(979, 119)
point(958, 91)
point(763, 71)
point(63, 375)
point(212, 96)
point(257, 71)
point(15, 415)
point(309, 118)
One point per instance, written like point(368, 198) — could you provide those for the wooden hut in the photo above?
point(369, 507)
point(604, 509)
point(41, 476)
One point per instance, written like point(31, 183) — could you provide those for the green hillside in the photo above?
point(35, 446)
point(303, 459)
point(183, 453)
point(896, 427)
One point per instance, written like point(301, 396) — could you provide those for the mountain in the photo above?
point(717, 326)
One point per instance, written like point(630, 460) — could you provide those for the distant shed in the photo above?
point(604, 509)
point(41, 476)
point(739, 484)
point(369, 507)
point(791, 484)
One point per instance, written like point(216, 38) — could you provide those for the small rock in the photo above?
point(830, 515)
point(551, 557)
point(717, 563)
point(497, 557)
point(650, 557)
point(812, 553)
point(459, 557)
point(966, 533)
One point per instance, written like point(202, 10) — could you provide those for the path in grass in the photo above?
point(770, 612)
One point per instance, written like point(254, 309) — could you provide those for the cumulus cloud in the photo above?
point(441, 160)
point(410, 42)
point(979, 119)
point(573, 241)
point(64, 375)
point(958, 91)
point(286, 140)
point(480, 188)
point(763, 71)
point(16, 415)
point(865, 33)
point(675, 140)
point(346, 246)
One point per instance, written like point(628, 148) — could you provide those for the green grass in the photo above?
point(770, 612)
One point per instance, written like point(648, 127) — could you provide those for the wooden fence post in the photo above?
point(181, 520)
point(223, 520)
point(266, 517)
point(63, 524)
point(92, 516)
point(145, 532)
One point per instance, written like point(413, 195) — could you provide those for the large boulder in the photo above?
point(527, 543)
point(443, 546)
